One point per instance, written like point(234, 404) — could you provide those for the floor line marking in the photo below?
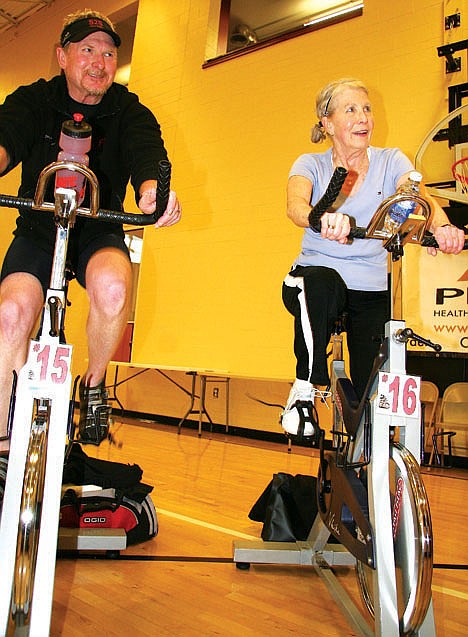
point(245, 536)
point(207, 525)
point(449, 591)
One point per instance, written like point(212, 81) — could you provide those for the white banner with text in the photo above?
point(435, 298)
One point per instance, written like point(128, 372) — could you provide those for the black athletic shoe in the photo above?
point(94, 414)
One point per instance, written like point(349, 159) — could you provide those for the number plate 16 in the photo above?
point(399, 395)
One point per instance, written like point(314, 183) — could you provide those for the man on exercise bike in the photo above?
point(126, 145)
point(330, 276)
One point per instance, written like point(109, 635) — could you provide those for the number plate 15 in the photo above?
point(49, 363)
point(399, 395)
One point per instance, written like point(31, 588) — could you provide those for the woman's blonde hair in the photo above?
point(324, 103)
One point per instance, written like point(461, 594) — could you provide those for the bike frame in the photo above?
point(44, 384)
point(394, 405)
point(402, 394)
point(42, 415)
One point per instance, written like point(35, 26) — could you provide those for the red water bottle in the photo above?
point(75, 142)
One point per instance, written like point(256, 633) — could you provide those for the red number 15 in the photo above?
point(59, 371)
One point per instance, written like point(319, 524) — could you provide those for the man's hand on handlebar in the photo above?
point(335, 226)
point(147, 205)
point(450, 239)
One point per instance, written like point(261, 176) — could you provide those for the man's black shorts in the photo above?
point(24, 255)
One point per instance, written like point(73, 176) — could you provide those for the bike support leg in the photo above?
point(342, 599)
point(428, 626)
point(383, 576)
point(30, 387)
point(11, 507)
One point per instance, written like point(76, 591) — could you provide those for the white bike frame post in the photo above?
point(395, 405)
point(46, 375)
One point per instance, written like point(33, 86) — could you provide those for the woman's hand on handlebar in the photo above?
point(451, 240)
point(147, 204)
point(335, 226)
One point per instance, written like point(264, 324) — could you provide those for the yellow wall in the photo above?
point(210, 287)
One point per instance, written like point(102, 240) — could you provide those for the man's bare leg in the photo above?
point(108, 283)
point(21, 300)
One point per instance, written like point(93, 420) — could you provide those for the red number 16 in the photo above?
point(409, 398)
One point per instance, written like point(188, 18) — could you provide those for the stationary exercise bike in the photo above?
point(370, 494)
point(40, 424)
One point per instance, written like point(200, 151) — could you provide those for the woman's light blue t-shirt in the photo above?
point(363, 263)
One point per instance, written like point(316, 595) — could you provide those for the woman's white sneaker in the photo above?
point(299, 410)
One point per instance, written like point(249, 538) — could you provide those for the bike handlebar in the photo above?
point(115, 216)
point(330, 196)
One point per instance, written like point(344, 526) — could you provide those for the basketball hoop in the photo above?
point(460, 173)
point(444, 188)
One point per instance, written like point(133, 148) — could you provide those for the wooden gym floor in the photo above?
point(183, 582)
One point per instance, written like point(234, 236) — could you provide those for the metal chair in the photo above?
point(429, 400)
point(453, 414)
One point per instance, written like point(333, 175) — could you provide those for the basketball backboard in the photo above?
point(444, 145)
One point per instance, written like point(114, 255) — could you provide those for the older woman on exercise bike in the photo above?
point(331, 276)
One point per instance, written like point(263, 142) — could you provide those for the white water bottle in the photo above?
point(401, 209)
point(75, 142)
